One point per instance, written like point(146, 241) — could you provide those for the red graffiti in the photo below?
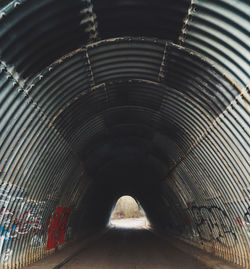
point(58, 225)
point(187, 218)
point(19, 225)
point(239, 221)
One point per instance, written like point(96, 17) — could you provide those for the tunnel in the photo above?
point(105, 98)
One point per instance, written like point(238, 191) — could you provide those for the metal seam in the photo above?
point(15, 76)
point(181, 37)
point(90, 68)
point(162, 70)
point(30, 101)
point(206, 132)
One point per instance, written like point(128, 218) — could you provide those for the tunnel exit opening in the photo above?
point(128, 214)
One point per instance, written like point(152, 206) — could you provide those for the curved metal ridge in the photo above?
point(19, 38)
point(162, 19)
point(83, 106)
point(224, 39)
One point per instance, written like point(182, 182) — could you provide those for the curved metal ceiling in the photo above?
point(105, 98)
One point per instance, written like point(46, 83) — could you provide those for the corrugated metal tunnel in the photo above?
point(101, 99)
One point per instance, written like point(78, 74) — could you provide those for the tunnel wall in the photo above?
point(171, 78)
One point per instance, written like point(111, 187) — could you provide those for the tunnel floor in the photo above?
point(130, 249)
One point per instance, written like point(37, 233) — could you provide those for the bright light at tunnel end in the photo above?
point(127, 214)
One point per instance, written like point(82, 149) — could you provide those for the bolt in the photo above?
point(2, 15)
point(16, 4)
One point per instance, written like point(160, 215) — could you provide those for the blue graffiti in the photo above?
point(7, 233)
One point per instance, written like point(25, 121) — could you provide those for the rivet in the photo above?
point(16, 4)
point(2, 15)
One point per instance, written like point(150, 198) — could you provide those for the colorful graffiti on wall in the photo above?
point(58, 226)
point(20, 218)
point(29, 219)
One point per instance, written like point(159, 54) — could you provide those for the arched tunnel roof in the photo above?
point(106, 98)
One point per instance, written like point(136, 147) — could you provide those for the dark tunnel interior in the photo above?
point(100, 99)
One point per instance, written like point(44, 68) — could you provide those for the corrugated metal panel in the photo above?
point(185, 106)
point(160, 18)
point(31, 150)
point(57, 28)
point(220, 31)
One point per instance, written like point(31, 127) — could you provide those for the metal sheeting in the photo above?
point(63, 24)
point(182, 106)
point(31, 150)
point(220, 31)
point(161, 18)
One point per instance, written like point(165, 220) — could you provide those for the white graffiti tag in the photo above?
point(6, 256)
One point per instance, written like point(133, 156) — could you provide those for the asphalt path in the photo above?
point(132, 249)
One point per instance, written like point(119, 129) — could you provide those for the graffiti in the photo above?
point(247, 220)
point(27, 217)
point(58, 226)
point(213, 223)
point(247, 216)
point(37, 241)
point(31, 218)
point(5, 256)
point(239, 221)
point(7, 196)
point(17, 223)
point(187, 218)
point(68, 232)
point(20, 217)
